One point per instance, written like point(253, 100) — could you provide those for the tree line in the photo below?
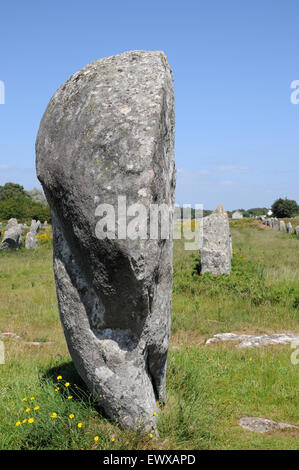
point(24, 205)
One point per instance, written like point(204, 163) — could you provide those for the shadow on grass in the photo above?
point(77, 389)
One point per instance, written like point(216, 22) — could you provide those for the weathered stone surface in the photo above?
point(11, 223)
point(12, 238)
point(297, 230)
point(282, 226)
point(35, 226)
point(31, 241)
point(109, 131)
point(275, 223)
point(289, 228)
point(216, 252)
point(262, 425)
point(251, 341)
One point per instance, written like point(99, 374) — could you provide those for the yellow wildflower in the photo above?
point(154, 413)
point(70, 397)
point(36, 408)
point(24, 399)
point(18, 423)
point(24, 421)
point(151, 436)
point(56, 389)
point(27, 410)
point(32, 398)
point(59, 377)
point(71, 416)
point(113, 439)
point(96, 438)
point(67, 384)
point(54, 415)
point(30, 420)
point(79, 425)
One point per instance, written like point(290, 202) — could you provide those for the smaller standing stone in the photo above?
point(216, 252)
point(275, 223)
point(297, 230)
point(35, 226)
point(289, 228)
point(12, 238)
point(282, 226)
point(11, 223)
point(31, 241)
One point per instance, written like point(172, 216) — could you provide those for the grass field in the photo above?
point(208, 387)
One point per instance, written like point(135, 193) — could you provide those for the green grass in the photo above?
point(208, 387)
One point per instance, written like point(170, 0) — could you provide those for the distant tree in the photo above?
point(15, 202)
point(284, 208)
point(37, 195)
point(11, 191)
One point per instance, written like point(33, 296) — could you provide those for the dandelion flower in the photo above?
point(70, 397)
point(151, 436)
point(79, 425)
point(54, 415)
point(71, 416)
point(59, 377)
point(30, 420)
point(113, 439)
point(154, 413)
point(67, 384)
point(96, 438)
point(24, 399)
point(36, 408)
point(27, 410)
point(250, 358)
point(101, 396)
point(18, 423)
point(24, 421)
point(32, 398)
point(56, 389)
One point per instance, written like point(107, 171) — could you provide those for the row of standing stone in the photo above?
point(13, 234)
point(280, 225)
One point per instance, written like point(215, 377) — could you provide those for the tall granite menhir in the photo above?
point(109, 132)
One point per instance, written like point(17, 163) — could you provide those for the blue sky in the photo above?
point(237, 133)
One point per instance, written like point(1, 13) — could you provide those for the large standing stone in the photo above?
point(31, 241)
point(289, 228)
point(109, 132)
point(12, 238)
point(216, 252)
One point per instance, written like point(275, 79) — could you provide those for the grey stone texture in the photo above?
point(289, 228)
point(282, 226)
point(35, 226)
point(216, 252)
point(251, 341)
point(109, 131)
point(31, 241)
point(12, 238)
point(262, 425)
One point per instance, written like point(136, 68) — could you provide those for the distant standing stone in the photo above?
point(12, 238)
point(282, 226)
point(216, 252)
point(289, 228)
point(31, 241)
point(275, 223)
point(35, 226)
point(297, 230)
point(11, 223)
